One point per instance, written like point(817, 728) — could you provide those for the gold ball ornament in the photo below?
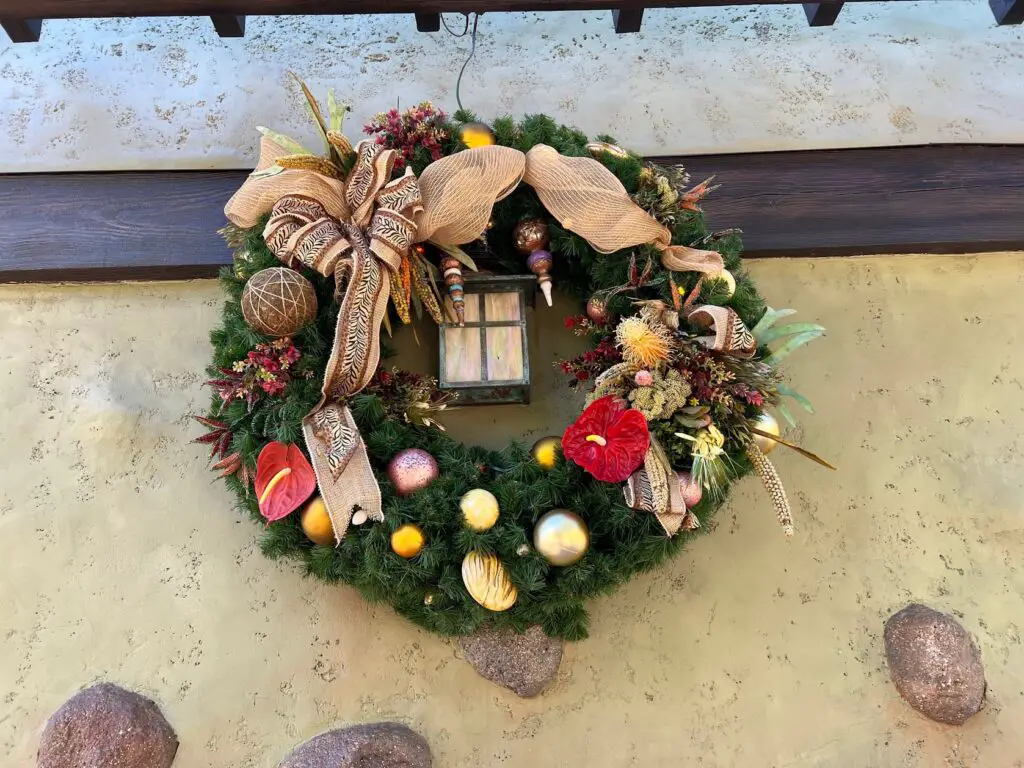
point(766, 423)
point(411, 470)
point(561, 537)
point(278, 301)
point(546, 451)
point(408, 541)
point(477, 135)
point(598, 148)
point(487, 581)
point(479, 509)
point(316, 523)
point(725, 276)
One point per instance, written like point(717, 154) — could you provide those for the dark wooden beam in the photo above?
point(229, 25)
point(70, 9)
point(929, 199)
point(428, 22)
point(627, 20)
point(1007, 11)
point(22, 30)
point(163, 224)
point(822, 14)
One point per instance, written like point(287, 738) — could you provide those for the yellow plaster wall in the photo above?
point(120, 559)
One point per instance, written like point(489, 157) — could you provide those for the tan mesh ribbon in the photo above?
point(460, 190)
point(655, 489)
point(589, 200)
point(358, 250)
point(268, 183)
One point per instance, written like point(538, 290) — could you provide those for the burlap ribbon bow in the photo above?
point(358, 231)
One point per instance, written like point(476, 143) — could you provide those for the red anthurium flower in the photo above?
point(609, 440)
point(284, 479)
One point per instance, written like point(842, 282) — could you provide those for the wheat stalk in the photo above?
point(773, 484)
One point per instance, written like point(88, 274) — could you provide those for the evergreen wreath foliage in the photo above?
point(623, 542)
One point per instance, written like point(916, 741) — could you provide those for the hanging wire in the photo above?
point(472, 49)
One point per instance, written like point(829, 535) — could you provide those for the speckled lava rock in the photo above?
point(934, 663)
point(376, 745)
point(106, 726)
point(524, 663)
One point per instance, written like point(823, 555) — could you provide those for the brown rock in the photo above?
point(107, 727)
point(524, 663)
point(934, 663)
point(377, 745)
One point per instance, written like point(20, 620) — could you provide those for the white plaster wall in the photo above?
point(168, 93)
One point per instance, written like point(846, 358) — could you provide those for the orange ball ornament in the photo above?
point(316, 523)
point(408, 541)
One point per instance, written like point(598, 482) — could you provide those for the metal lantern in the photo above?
point(487, 360)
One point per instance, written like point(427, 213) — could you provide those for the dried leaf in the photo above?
point(335, 112)
point(314, 110)
point(790, 329)
point(802, 451)
point(286, 142)
point(457, 253)
point(267, 172)
point(768, 319)
point(786, 391)
point(794, 343)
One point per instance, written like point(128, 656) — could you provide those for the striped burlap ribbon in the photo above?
point(358, 231)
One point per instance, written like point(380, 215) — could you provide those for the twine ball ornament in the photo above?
point(547, 451)
point(411, 470)
point(766, 423)
point(561, 537)
point(278, 301)
point(408, 540)
point(316, 523)
point(479, 509)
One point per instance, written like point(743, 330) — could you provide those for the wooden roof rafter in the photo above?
point(22, 20)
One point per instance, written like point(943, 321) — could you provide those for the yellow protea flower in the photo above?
point(709, 442)
point(642, 344)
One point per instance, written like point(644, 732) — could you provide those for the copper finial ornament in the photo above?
point(531, 236)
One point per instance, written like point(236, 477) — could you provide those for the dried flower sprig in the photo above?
point(422, 126)
point(266, 370)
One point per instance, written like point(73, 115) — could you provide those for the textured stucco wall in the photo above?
point(121, 560)
point(168, 93)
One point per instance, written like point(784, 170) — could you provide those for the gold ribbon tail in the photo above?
point(342, 467)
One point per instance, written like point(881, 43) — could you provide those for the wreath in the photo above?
point(344, 458)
